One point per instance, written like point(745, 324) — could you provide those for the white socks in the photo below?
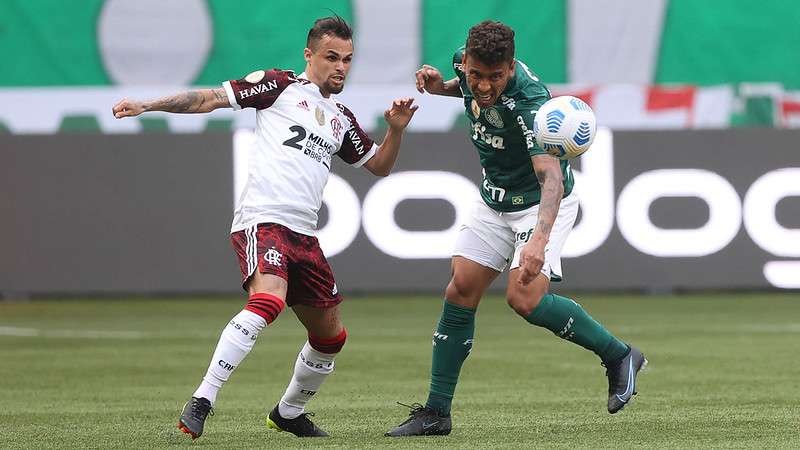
point(310, 370)
point(236, 341)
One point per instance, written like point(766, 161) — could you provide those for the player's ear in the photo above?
point(307, 54)
point(512, 65)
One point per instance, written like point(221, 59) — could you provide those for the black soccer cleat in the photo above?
point(194, 416)
point(422, 421)
point(622, 378)
point(300, 426)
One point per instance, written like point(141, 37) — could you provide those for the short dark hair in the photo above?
point(331, 26)
point(491, 42)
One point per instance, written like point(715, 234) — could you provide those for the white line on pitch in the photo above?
point(85, 334)
point(756, 328)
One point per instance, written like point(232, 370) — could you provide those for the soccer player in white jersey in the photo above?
point(300, 126)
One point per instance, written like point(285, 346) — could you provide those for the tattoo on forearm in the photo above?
point(220, 95)
point(551, 191)
point(185, 102)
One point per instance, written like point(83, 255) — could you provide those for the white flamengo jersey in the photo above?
point(297, 132)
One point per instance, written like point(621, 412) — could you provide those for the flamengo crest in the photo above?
point(273, 257)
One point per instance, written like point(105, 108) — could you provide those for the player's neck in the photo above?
point(312, 78)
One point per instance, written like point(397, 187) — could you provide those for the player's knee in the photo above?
point(523, 303)
point(460, 291)
point(265, 305)
point(331, 345)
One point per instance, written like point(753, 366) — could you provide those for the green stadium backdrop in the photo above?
point(693, 182)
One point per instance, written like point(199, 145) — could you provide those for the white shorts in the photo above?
point(494, 239)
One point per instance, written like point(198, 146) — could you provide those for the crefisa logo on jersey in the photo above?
point(508, 102)
point(336, 127)
point(527, 132)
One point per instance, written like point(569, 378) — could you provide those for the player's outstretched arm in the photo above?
point(397, 117)
point(551, 182)
point(199, 101)
point(430, 80)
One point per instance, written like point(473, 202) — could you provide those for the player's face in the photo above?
point(328, 62)
point(487, 82)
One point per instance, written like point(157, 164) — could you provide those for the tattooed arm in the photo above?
point(551, 184)
point(200, 101)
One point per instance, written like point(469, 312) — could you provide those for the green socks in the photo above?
point(452, 342)
point(568, 320)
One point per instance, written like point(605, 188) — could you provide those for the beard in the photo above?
point(333, 88)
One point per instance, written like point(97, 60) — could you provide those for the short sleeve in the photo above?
point(525, 115)
point(259, 89)
point(357, 147)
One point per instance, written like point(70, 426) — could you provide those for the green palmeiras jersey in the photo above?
point(503, 136)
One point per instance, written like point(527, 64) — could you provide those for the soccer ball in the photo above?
point(565, 127)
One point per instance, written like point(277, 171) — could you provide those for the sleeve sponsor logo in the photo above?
point(526, 132)
point(258, 89)
point(358, 145)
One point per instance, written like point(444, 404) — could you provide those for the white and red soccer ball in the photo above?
point(565, 127)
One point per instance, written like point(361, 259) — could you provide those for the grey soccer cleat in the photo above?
point(194, 416)
point(300, 426)
point(622, 378)
point(422, 421)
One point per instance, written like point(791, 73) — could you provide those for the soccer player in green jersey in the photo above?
point(528, 209)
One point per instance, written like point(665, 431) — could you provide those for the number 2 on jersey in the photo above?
point(299, 136)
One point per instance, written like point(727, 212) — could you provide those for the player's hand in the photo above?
point(400, 113)
point(127, 108)
point(429, 79)
point(531, 260)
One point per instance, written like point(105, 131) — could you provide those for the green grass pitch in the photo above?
point(724, 373)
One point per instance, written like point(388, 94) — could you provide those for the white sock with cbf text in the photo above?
point(234, 344)
point(310, 370)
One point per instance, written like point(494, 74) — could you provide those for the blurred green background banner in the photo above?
point(57, 43)
point(641, 65)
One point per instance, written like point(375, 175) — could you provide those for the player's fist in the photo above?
point(400, 113)
point(127, 108)
point(429, 79)
point(531, 260)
